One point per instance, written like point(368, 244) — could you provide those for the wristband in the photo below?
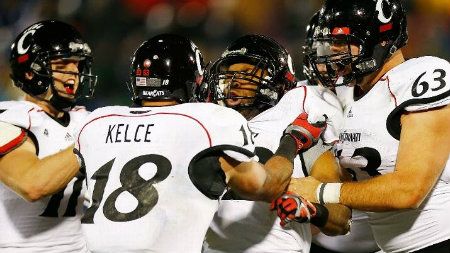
point(321, 217)
point(328, 193)
point(288, 147)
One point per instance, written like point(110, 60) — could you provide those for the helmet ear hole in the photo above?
point(29, 75)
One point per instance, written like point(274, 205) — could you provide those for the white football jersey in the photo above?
point(358, 240)
point(142, 198)
point(51, 224)
point(369, 144)
point(247, 226)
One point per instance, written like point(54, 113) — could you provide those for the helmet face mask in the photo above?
point(31, 59)
point(245, 83)
point(252, 75)
point(165, 67)
point(333, 61)
point(377, 29)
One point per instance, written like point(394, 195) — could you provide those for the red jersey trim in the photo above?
point(304, 98)
point(17, 141)
point(390, 90)
point(29, 119)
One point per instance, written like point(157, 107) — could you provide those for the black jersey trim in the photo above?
point(393, 125)
point(63, 121)
point(302, 159)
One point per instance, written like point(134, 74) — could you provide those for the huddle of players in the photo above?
point(157, 173)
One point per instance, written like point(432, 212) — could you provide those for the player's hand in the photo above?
point(290, 207)
point(305, 187)
point(305, 134)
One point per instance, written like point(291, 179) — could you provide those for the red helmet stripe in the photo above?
point(289, 76)
point(341, 30)
point(386, 27)
point(23, 58)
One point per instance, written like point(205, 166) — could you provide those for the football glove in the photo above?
point(304, 133)
point(290, 207)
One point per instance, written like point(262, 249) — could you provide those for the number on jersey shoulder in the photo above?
point(420, 87)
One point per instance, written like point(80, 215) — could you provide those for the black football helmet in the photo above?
point(309, 50)
point(263, 53)
point(377, 27)
point(36, 46)
point(165, 67)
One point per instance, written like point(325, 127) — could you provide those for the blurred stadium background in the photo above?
point(114, 28)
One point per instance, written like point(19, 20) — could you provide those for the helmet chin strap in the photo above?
point(60, 103)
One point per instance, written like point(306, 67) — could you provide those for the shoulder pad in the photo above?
point(21, 113)
point(418, 84)
point(206, 172)
point(10, 137)
point(78, 114)
point(287, 109)
point(320, 103)
point(102, 111)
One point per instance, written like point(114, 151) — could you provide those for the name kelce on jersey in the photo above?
point(125, 133)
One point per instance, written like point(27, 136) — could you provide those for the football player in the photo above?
point(396, 134)
point(51, 63)
point(360, 239)
point(156, 170)
point(252, 77)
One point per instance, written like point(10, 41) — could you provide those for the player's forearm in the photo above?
point(338, 220)
point(279, 169)
point(43, 177)
point(62, 168)
point(247, 179)
point(262, 182)
point(279, 172)
point(384, 193)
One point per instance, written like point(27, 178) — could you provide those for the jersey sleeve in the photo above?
point(20, 113)
point(422, 87)
point(11, 137)
point(232, 133)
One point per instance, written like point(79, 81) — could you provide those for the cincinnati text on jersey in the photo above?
point(352, 137)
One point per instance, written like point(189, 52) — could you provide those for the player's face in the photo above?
point(65, 75)
point(339, 57)
point(240, 85)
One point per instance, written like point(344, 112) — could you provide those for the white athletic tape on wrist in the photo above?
point(328, 193)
